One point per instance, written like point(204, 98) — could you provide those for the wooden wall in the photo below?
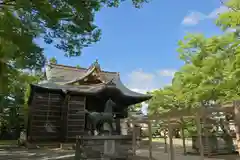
point(44, 108)
point(75, 117)
point(65, 113)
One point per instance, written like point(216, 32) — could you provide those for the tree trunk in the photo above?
point(227, 136)
point(236, 106)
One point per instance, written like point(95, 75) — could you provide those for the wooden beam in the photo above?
point(199, 131)
point(78, 149)
point(150, 139)
point(206, 135)
point(190, 113)
point(134, 139)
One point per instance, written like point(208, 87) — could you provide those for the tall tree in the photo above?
point(211, 70)
point(68, 25)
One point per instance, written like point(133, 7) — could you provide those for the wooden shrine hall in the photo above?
point(61, 99)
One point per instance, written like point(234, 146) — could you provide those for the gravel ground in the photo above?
point(158, 152)
point(53, 154)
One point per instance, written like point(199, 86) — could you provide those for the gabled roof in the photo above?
point(62, 74)
point(62, 77)
point(94, 70)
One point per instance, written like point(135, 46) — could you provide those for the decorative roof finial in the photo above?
point(96, 64)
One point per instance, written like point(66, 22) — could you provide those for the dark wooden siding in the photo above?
point(75, 118)
point(45, 108)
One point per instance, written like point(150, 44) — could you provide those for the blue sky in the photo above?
point(141, 43)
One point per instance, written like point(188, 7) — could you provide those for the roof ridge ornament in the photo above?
point(94, 70)
point(95, 65)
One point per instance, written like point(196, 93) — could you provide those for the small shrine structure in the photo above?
point(57, 104)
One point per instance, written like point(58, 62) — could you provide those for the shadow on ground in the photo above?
point(34, 154)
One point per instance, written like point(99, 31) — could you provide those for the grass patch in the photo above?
point(8, 142)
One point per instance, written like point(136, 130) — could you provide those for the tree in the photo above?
point(68, 25)
point(15, 107)
point(78, 66)
point(210, 74)
point(53, 60)
point(135, 108)
point(230, 19)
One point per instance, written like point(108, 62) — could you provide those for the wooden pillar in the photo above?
point(64, 117)
point(199, 131)
point(150, 139)
point(165, 141)
point(170, 136)
point(217, 131)
point(118, 126)
point(78, 149)
point(183, 136)
point(133, 139)
point(206, 136)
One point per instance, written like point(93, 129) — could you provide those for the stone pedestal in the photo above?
point(124, 127)
point(109, 147)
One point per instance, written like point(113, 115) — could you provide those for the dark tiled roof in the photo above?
point(58, 75)
point(62, 74)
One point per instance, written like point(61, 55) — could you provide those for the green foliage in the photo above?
point(211, 71)
point(15, 107)
point(29, 79)
point(135, 108)
point(230, 19)
point(53, 60)
point(68, 25)
point(78, 66)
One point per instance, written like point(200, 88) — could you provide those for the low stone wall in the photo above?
point(118, 146)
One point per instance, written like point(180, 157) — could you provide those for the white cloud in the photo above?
point(193, 18)
point(231, 30)
point(140, 81)
point(217, 11)
point(167, 72)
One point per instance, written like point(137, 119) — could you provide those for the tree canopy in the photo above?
point(66, 24)
point(210, 73)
